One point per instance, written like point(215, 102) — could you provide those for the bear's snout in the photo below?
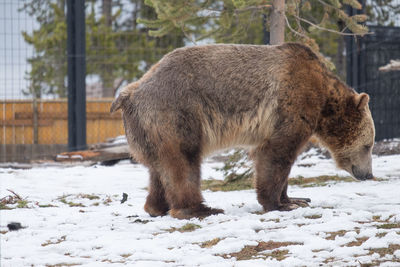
point(361, 175)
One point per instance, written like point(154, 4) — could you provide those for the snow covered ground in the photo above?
point(73, 216)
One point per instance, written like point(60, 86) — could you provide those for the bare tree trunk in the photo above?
point(107, 90)
point(106, 10)
point(277, 28)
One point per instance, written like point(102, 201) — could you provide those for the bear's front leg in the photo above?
point(302, 202)
point(273, 161)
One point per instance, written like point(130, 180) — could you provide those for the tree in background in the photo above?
point(230, 20)
point(117, 47)
point(321, 24)
point(48, 65)
point(383, 12)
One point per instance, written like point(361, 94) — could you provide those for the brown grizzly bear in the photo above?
point(199, 99)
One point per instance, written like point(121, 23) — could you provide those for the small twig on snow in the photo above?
point(15, 194)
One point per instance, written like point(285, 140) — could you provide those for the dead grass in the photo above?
point(380, 235)
point(58, 241)
point(11, 199)
point(249, 252)
point(89, 196)
point(357, 242)
point(110, 261)
point(62, 264)
point(246, 184)
point(319, 180)
point(317, 250)
point(314, 216)
point(235, 185)
point(210, 243)
point(63, 199)
point(380, 262)
point(71, 204)
point(21, 204)
point(329, 260)
point(107, 201)
point(47, 206)
point(385, 251)
point(189, 227)
point(388, 225)
point(333, 235)
point(276, 254)
point(377, 218)
point(4, 207)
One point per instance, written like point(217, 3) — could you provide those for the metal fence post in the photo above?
point(76, 75)
point(352, 51)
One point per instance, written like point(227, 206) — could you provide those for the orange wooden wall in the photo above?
point(16, 121)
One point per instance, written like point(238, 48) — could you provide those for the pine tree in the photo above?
point(222, 18)
point(49, 42)
point(117, 47)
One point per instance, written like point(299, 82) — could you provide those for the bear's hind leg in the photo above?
point(181, 179)
point(156, 204)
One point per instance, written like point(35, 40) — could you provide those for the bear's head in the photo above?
point(350, 135)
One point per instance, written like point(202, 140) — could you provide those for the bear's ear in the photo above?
point(361, 100)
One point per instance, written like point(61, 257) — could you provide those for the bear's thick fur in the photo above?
point(272, 99)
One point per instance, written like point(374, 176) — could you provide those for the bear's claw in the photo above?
point(302, 202)
point(288, 207)
point(199, 212)
point(155, 211)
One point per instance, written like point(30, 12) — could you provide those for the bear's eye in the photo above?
point(367, 147)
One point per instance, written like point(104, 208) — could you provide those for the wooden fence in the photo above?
point(42, 125)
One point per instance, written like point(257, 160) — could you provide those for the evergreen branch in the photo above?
point(187, 35)
point(293, 30)
point(330, 30)
point(251, 8)
point(237, 11)
point(329, 5)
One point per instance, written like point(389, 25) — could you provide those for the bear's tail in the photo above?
point(123, 96)
point(118, 102)
point(128, 90)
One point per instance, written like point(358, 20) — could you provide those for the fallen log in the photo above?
point(105, 155)
point(392, 66)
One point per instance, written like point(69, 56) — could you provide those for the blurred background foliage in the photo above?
point(125, 37)
point(118, 48)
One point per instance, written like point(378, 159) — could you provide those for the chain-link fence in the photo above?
point(33, 70)
point(365, 59)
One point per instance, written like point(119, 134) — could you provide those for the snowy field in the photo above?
point(74, 216)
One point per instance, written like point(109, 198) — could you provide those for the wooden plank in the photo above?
point(20, 123)
point(64, 116)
